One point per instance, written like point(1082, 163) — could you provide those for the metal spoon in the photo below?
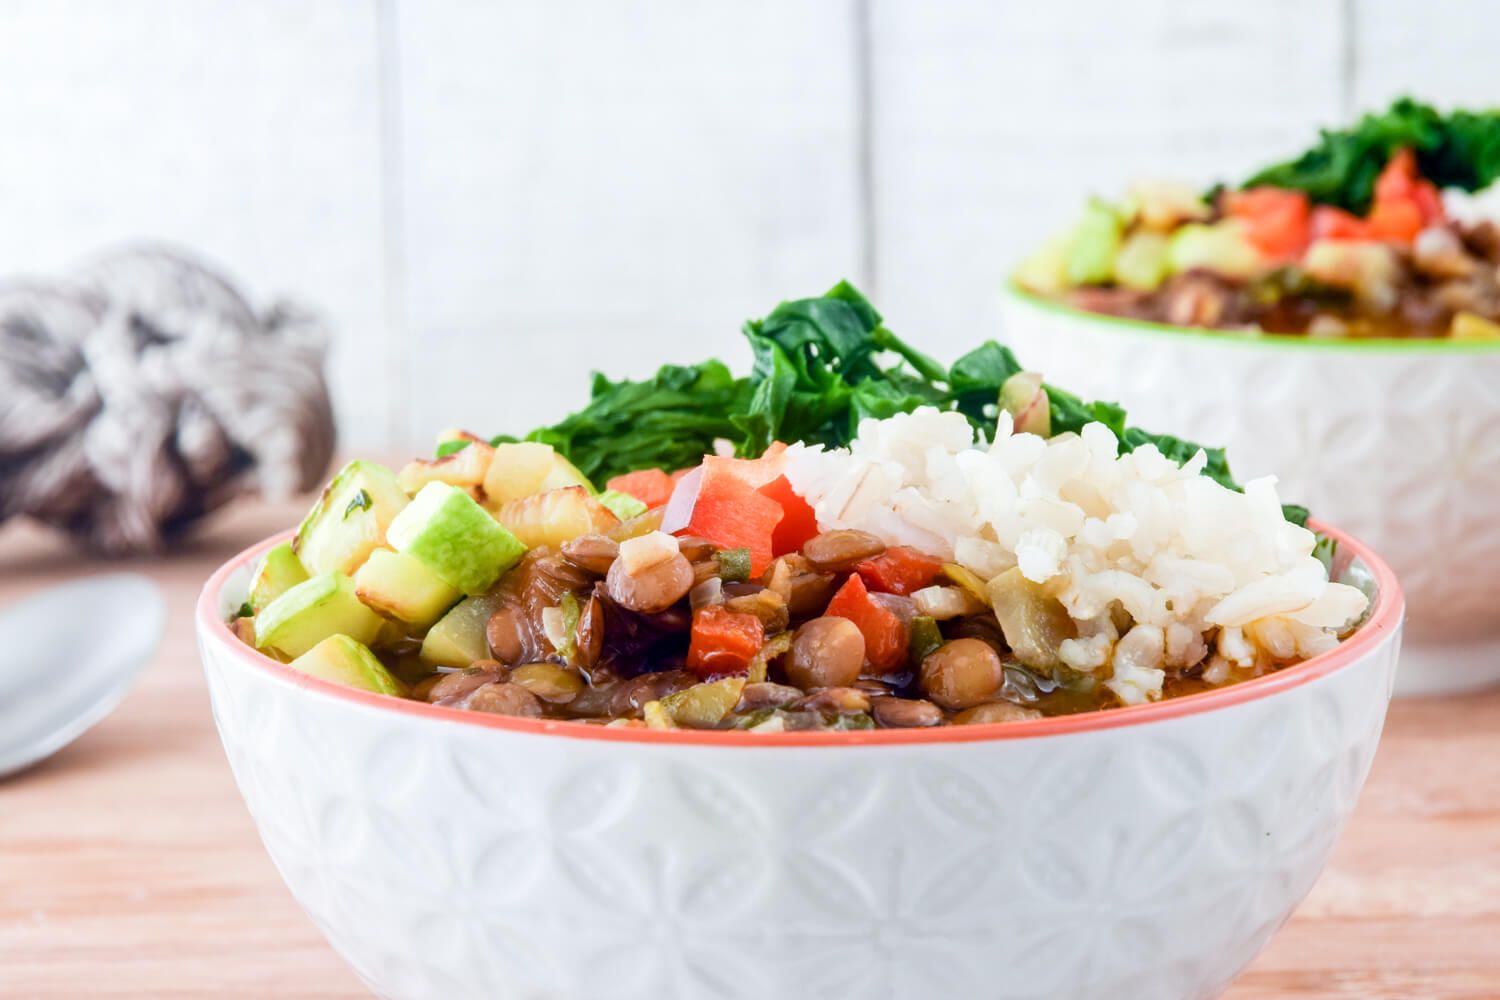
point(68, 655)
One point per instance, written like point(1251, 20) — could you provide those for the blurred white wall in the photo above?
point(489, 199)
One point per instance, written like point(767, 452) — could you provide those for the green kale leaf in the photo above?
point(1460, 150)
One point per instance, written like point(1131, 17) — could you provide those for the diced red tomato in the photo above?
point(1276, 219)
point(723, 642)
point(652, 487)
point(1329, 223)
point(799, 523)
point(1395, 221)
point(713, 502)
point(1405, 202)
point(1429, 202)
point(899, 570)
point(1399, 178)
point(884, 631)
point(677, 476)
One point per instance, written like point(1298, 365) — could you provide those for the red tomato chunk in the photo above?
point(899, 570)
point(723, 642)
point(884, 631)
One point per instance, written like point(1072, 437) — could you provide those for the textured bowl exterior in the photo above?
point(445, 856)
point(1400, 445)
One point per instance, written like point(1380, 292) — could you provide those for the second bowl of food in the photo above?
point(1334, 322)
point(860, 678)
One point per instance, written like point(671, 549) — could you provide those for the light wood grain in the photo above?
point(130, 868)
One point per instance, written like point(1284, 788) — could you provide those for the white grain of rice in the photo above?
point(1205, 574)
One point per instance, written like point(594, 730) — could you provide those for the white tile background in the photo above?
point(488, 199)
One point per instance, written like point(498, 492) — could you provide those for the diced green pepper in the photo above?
point(925, 638)
point(734, 565)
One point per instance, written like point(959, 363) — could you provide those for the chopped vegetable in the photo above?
point(1276, 220)
point(703, 706)
point(652, 487)
point(637, 554)
point(717, 504)
point(1460, 150)
point(885, 633)
point(723, 642)
point(622, 505)
point(925, 638)
point(1034, 623)
point(798, 523)
point(734, 565)
point(1025, 398)
point(556, 516)
point(900, 569)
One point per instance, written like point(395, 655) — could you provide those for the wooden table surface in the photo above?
point(130, 868)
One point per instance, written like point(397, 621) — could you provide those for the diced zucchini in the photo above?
point(312, 611)
point(556, 516)
point(525, 468)
point(1161, 205)
point(458, 639)
point(1046, 271)
point(1142, 261)
point(279, 572)
point(622, 505)
point(350, 519)
point(1221, 247)
point(1370, 270)
point(466, 468)
point(456, 538)
point(342, 660)
point(1096, 240)
point(401, 586)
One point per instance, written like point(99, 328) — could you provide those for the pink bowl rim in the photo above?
point(1382, 623)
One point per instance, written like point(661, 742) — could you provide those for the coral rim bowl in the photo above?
point(1140, 852)
point(1396, 440)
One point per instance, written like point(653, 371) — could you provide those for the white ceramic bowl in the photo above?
point(1397, 441)
point(1141, 852)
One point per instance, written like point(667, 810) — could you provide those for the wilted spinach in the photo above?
point(1460, 150)
point(821, 366)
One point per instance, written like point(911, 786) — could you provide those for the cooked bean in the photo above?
point(423, 687)
point(588, 634)
point(837, 701)
point(655, 588)
point(504, 631)
point(841, 549)
point(549, 682)
point(695, 548)
point(505, 699)
point(595, 553)
point(826, 652)
point(707, 569)
point(630, 696)
point(767, 605)
point(454, 688)
point(905, 713)
point(995, 711)
point(962, 673)
point(808, 593)
point(767, 695)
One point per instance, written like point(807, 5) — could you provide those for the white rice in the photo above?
point(1203, 572)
